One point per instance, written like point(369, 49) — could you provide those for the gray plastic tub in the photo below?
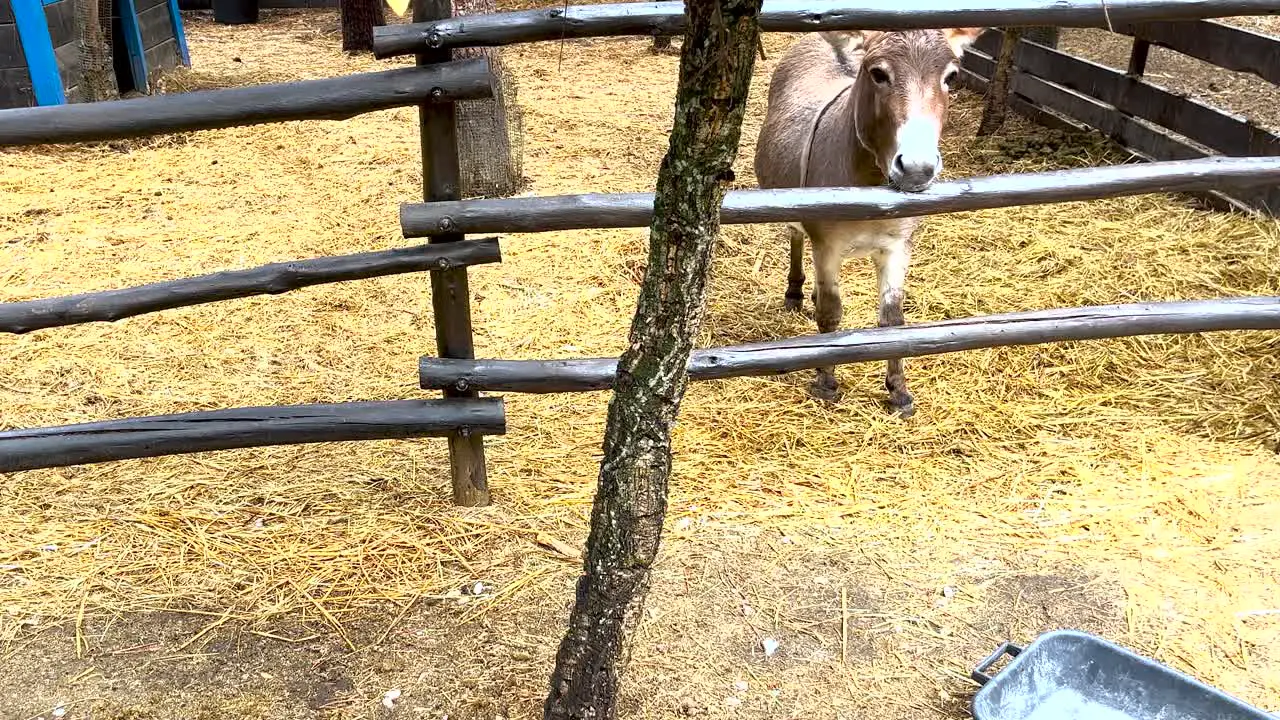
point(1070, 675)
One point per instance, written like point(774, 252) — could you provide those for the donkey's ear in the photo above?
point(847, 42)
point(961, 38)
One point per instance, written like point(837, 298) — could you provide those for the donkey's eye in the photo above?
point(879, 76)
point(949, 79)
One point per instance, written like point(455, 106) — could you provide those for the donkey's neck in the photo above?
point(863, 170)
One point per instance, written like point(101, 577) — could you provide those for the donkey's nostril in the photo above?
point(898, 163)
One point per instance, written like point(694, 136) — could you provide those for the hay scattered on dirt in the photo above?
point(1149, 462)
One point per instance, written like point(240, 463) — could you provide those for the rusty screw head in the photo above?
point(434, 39)
point(446, 224)
point(437, 93)
point(461, 385)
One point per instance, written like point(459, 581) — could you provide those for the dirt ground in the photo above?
point(1126, 487)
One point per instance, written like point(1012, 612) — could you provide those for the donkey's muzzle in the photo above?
point(916, 172)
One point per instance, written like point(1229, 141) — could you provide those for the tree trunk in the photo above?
point(359, 18)
point(716, 62)
point(993, 112)
point(490, 130)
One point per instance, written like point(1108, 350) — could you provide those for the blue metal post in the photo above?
point(179, 33)
point(133, 43)
point(42, 64)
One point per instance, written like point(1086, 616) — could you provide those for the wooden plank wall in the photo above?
point(159, 43)
point(15, 81)
point(1216, 43)
point(264, 4)
point(1149, 120)
point(66, 46)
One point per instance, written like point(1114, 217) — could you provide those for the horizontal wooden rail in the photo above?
point(667, 18)
point(853, 346)
point(246, 427)
point(1209, 126)
point(273, 279)
point(336, 98)
point(1226, 46)
point(1147, 141)
point(571, 212)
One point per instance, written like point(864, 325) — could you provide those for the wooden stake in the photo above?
point(450, 293)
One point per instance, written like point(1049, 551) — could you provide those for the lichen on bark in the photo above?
point(716, 62)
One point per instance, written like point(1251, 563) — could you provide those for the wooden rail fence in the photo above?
point(436, 82)
point(1150, 121)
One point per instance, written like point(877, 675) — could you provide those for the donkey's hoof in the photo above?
point(793, 303)
point(824, 388)
point(901, 403)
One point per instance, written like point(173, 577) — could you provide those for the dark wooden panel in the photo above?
point(62, 22)
point(1145, 141)
point(1190, 118)
point(1223, 45)
point(70, 64)
point(155, 25)
point(1148, 141)
point(15, 88)
point(162, 58)
point(11, 48)
point(6, 12)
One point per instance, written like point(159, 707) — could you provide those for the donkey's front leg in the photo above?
point(828, 308)
point(891, 271)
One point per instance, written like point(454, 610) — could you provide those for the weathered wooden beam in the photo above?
point(1226, 46)
point(874, 344)
point(571, 212)
point(273, 279)
point(246, 427)
point(336, 98)
point(450, 289)
point(1144, 140)
point(1207, 125)
point(667, 18)
point(1138, 55)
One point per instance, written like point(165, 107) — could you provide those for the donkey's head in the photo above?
point(902, 93)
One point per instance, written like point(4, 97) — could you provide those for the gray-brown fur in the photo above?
point(838, 106)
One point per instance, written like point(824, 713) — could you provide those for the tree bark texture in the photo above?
point(997, 100)
point(716, 62)
point(359, 18)
point(490, 131)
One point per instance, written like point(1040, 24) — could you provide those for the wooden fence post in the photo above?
point(450, 295)
point(1138, 58)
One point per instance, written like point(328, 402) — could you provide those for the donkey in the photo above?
point(856, 109)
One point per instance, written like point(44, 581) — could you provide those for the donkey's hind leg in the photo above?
point(795, 275)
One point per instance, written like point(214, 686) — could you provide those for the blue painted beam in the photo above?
point(37, 45)
point(179, 33)
point(133, 43)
